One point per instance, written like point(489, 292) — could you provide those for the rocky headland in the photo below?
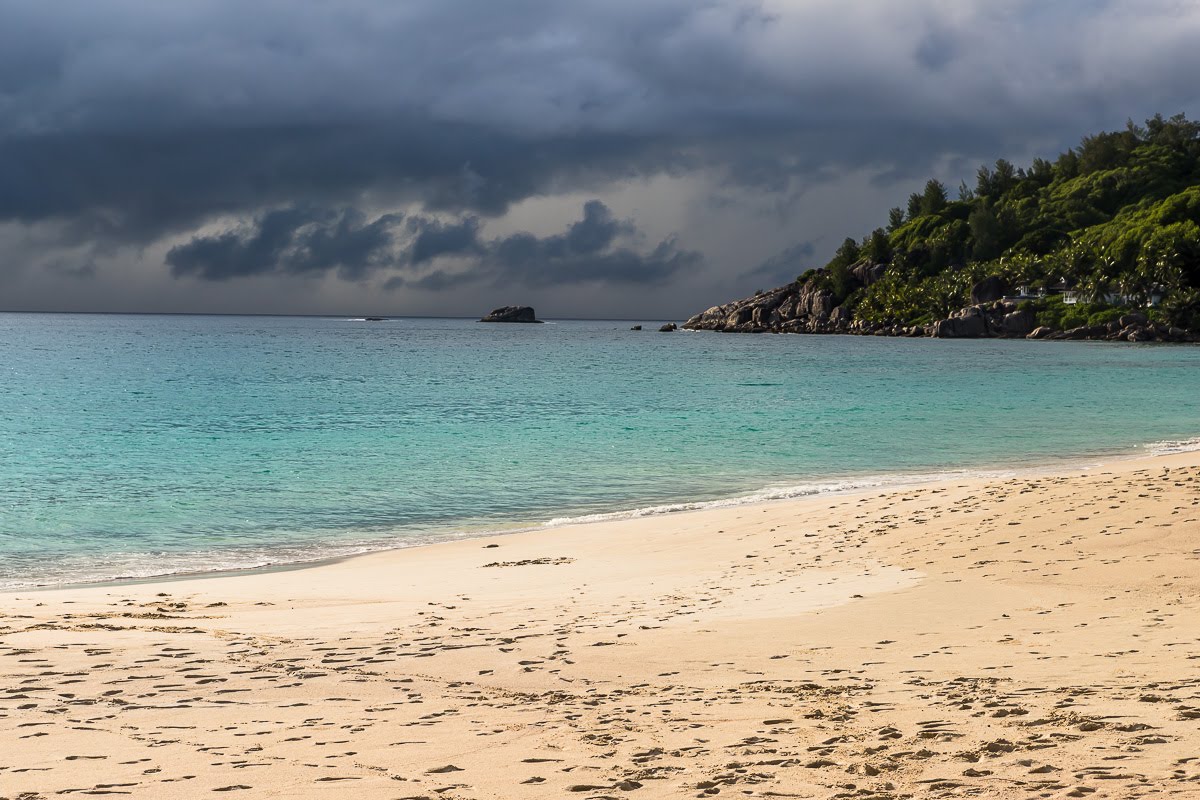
point(808, 307)
point(1101, 243)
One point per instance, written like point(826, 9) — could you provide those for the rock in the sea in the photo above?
point(799, 307)
point(1018, 323)
point(1133, 318)
point(636, 328)
point(512, 314)
point(670, 326)
point(1040, 332)
point(999, 318)
point(967, 324)
point(1140, 334)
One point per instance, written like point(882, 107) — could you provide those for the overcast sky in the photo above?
point(593, 158)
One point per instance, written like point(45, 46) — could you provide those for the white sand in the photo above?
point(1031, 637)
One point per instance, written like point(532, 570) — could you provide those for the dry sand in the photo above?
point(1029, 637)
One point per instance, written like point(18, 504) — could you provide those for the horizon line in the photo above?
point(318, 316)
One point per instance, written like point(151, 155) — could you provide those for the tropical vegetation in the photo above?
point(1115, 220)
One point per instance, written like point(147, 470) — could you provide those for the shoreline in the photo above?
point(977, 637)
point(769, 494)
point(809, 306)
point(900, 332)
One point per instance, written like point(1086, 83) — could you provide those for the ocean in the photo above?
point(140, 445)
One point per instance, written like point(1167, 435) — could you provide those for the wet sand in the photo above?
point(1037, 636)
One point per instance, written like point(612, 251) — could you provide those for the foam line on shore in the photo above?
point(198, 565)
point(1170, 446)
point(772, 493)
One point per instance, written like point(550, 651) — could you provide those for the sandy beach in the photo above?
point(1036, 636)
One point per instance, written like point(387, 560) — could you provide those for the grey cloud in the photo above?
point(136, 186)
point(350, 244)
point(434, 238)
point(125, 125)
point(785, 265)
point(73, 269)
point(294, 240)
point(598, 247)
point(151, 118)
point(552, 261)
point(304, 240)
point(435, 281)
point(596, 230)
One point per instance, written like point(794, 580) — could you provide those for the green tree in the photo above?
point(985, 232)
point(877, 248)
point(1041, 172)
point(933, 199)
point(1005, 176)
point(1067, 165)
point(984, 183)
point(848, 253)
point(914, 206)
point(841, 281)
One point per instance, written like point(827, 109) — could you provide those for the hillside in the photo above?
point(1106, 234)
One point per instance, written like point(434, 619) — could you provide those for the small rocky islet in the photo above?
point(523, 314)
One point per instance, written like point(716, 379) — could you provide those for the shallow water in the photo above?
point(142, 445)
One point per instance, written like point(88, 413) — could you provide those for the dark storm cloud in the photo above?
point(596, 230)
point(437, 238)
point(290, 240)
point(587, 252)
point(84, 269)
point(137, 186)
point(128, 124)
point(304, 240)
point(527, 260)
point(597, 248)
point(151, 116)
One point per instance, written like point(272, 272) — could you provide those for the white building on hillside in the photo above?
point(1154, 297)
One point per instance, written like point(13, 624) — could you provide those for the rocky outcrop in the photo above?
point(867, 273)
point(668, 328)
point(969, 324)
point(512, 314)
point(795, 308)
point(1133, 327)
point(808, 307)
point(1001, 319)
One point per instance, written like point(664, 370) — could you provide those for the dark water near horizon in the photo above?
point(135, 445)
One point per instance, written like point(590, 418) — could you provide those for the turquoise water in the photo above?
point(141, 445)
